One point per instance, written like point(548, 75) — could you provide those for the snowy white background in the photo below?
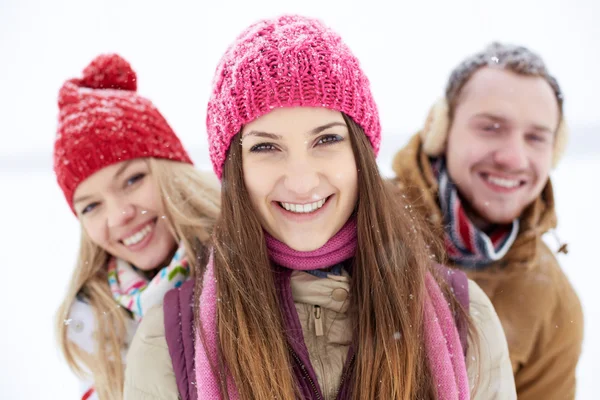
point(407, 51)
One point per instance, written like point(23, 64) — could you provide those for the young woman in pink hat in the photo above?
point(145, 213)
point(319, 285)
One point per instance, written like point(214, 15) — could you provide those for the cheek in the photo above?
point(95, 229)
point(543, 164)
point(465, 151)
point(259, 181)
point(460, 140)
point(149, 197)
point(454, 147)
point(344, 176)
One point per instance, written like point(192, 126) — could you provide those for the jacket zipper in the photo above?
point(344, 375)
point(305, 372)
point(318, 321)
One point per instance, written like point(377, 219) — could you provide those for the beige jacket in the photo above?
point(321, 306)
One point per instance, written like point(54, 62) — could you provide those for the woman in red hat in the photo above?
point(145, 213)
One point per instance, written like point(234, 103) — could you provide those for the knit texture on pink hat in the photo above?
point(103, 121)
point(285, 62)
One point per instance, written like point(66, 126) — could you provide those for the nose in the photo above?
point(119, 213)
point(512, 153)
point(301, 176)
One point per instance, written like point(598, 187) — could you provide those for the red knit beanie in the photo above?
point(103, 121)
point(286, 62)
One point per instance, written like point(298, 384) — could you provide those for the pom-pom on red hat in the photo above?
point(103, 121)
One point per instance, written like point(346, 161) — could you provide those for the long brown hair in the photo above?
point(191, 204)
point(394, 252)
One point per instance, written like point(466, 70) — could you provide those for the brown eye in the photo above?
point(536, 138)
point(329, 139)
point(262, 147)
point(493, 127)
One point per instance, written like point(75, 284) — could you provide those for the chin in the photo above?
point(157, 259)
point(501, 218)
point(304, 244)
point(147, 264)
point(305, 247)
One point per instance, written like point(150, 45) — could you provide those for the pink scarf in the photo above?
point(442, 341)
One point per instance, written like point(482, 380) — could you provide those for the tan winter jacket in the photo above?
point(321, 305)
point(539, 310)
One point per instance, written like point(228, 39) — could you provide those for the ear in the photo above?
point(435, 132)
point(560, 142)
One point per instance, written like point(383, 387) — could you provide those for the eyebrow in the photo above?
point(493, 117)
point(498, 118)
point(117, 174)
point(122, 169)
point(541, 128)
point(80, 199)
point(321, 128)
point(314, 131)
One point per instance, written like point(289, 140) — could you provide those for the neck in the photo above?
point(151, 273)
point(480, 222)
point(340, 247)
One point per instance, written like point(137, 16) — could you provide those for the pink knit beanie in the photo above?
point(286, 62)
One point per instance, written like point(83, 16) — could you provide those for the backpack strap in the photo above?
point(459, 284)
point(178, 308)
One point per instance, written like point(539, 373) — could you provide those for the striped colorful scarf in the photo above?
point(465, 244)
point(134, 291)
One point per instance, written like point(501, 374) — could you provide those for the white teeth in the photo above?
point(138, 236)
point(506, 183)
point(303, 208)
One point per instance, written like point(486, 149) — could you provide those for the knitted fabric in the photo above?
point(340, 247)
point(132, 290)
point(465, 244)
point(286, 62)
point(442, 344)
point(103, 121)
point(444, 351)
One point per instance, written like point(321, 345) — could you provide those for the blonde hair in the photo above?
point(191, 202)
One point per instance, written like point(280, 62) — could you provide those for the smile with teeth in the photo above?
point(503, 182)
point(303, 208)
point(138, 236)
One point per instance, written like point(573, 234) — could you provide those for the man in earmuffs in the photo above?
point(479, 173)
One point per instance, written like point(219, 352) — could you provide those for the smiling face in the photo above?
point(501, 142)
point(121, 210)
point(300, 173)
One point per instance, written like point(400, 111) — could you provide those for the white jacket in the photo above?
point(81, 330)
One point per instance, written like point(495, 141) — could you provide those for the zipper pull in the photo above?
point(562, 245)
point(318, 321)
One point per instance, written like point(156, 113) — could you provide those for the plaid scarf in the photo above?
point(465, 244)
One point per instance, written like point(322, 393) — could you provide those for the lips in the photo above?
point(503, 183)
point(506, 183)
point(303, 208)
point(139, 233)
